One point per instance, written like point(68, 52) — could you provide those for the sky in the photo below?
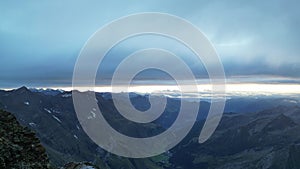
point(40, 40)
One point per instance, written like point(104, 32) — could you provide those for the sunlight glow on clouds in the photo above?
point(244, 89)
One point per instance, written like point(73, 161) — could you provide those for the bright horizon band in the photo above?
point(231, 89)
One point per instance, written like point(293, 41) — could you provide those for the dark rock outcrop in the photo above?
point(83, 165)
point(19, 147)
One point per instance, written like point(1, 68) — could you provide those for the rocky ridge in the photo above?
point(19, 147)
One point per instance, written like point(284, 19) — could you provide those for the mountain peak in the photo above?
point(22, 89)
point(48, 91)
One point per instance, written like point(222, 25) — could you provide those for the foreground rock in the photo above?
point(73, 165)
point(19, 148)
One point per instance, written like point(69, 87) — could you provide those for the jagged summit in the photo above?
point(22, 89)
point(48, 91)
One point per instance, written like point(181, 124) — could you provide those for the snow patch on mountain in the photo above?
point(93, 114)
point(56, 111)
point(32, 124)
point(66, 95)
point(47, 110)
point(56, 118)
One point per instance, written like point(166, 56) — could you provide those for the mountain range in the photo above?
point(258, 132)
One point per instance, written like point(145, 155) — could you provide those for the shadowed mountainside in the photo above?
point(259, 133)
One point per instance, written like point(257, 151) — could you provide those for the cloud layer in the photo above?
point(40, 41)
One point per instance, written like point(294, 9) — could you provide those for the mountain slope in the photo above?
point(266, 136)
point(54, 120)
point(262, 140)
